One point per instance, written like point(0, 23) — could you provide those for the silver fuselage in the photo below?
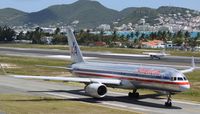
point(135, 76)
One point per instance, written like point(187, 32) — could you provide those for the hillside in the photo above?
point(134, 14)
point(88, 13)
point(11, 16)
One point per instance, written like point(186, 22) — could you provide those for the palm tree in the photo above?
point(114, 36)
point(187, 36)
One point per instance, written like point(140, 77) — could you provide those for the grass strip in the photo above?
point(26, 104)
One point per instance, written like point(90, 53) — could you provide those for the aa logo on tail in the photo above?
point(74, 49)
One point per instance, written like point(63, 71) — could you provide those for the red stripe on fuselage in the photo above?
point(132, 78)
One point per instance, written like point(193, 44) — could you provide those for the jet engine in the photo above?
point(96, 90)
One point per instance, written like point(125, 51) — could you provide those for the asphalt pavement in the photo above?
point(105, 56)
point(148, 104)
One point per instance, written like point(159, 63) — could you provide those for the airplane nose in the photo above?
point(184, 87)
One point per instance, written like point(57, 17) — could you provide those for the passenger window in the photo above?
point(185, 78)
point(174, 79)
point(180, 78)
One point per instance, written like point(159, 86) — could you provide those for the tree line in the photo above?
point(6, 34)
point(134, 39)
point(37, 35)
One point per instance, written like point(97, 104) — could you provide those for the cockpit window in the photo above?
point(184, 78)
point(180, 78)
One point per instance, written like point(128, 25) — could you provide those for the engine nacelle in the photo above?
point(96, 90)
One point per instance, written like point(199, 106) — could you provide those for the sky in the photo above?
point(37, 5)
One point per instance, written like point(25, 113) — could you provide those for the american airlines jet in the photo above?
point(98, 76)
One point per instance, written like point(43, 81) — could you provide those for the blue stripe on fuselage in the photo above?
point(140, 75)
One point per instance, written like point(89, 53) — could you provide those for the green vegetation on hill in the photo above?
point(173, 10)
point(89, 13)
point(135, 14)
point(9, 16)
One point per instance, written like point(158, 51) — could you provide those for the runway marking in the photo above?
point(112, 104)
point(189, 103)
point(192, 110)
point(117, 93)
point(106, 103)
point(124, 106)
point(126, 55)
point(60, 95)
point(67, 57)
point(176, 101)
point(109, 105)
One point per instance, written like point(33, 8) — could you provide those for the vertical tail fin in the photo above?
point(75, 51)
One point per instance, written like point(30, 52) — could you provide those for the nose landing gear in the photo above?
point(169, 101)
point(135, 94)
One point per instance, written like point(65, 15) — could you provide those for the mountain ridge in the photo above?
point(89, 13)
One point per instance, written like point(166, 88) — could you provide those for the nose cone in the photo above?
point(185, 87)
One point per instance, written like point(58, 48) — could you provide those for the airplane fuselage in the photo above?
point(135, 76)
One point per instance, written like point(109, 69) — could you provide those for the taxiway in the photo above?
point(148, 104)
point(106, 56)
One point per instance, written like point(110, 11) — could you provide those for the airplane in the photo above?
point(156, 55)
point(152, 55)
point(97, 76)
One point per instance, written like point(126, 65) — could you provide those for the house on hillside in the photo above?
point(98, 44)
point(153, 44)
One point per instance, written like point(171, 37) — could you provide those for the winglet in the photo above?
point(163, 51)
point(192, 68)
point(4, 72)
point(193, 63)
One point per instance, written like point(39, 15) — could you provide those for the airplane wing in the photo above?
point(73, 79)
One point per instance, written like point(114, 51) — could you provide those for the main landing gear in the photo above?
point(153, 56)
point(169, 101)
point(133, 94)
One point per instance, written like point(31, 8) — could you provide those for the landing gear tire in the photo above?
point(133, 95)
point(168, 103)
point(151, 56)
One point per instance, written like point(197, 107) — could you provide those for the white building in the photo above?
point(104, 27)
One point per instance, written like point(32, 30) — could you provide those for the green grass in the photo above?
point(27, 66)
point(102, 49)
point(84, 48)
point(183, 53)
point(26, 104)
point(35, 46)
